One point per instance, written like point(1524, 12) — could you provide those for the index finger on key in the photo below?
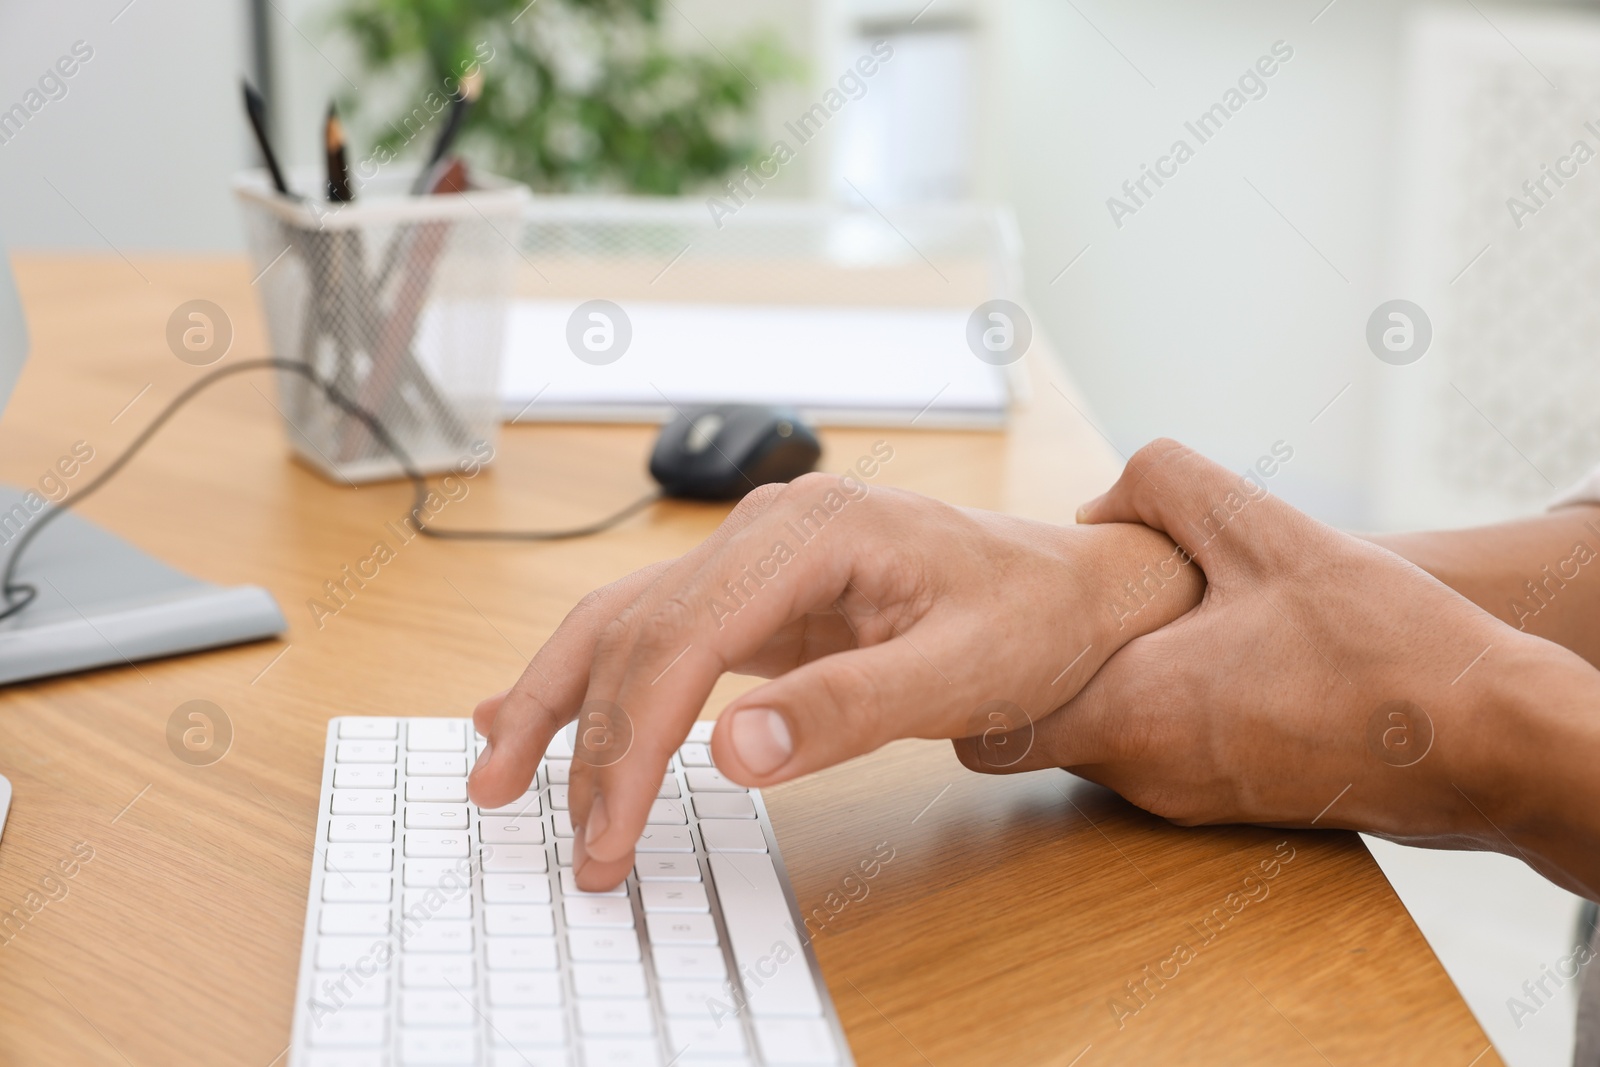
point(656, 665)
point(520, 723)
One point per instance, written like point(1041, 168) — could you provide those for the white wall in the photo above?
point(1207, 316)
point(141, 147)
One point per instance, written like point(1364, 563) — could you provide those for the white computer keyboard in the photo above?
point(440, 933)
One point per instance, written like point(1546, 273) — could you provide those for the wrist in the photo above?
point(1135, 580)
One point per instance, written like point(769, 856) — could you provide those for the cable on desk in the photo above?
point(19, 595)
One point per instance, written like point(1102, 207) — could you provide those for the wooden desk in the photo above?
point(1012, 912)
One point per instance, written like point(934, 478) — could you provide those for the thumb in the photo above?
point(1205, 508)
point(830, 710)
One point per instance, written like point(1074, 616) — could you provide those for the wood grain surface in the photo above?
point(1006, 926)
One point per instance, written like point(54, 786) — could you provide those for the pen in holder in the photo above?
point(401, 302)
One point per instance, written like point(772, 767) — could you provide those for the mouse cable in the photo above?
point(19, 595)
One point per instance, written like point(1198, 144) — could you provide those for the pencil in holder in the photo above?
point(400, 302)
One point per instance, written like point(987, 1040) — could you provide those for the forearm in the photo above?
point(1529, 773)
point(1539, 575)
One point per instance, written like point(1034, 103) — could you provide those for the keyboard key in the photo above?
point(429, 1007)
point(669, 788)
point(343, 989)
point(362, 802)
point(435, 874)
point(345, 828)
point(438, 935)
point(700, 732)
point(521, 954)
point(432, 904)
point(533, 1057)
point(518, 920)
point(795, 1041)
point(708, 780)
point(439, 766)
point(368, 729)
point(437, 972)
point(438, 1048)
point(438, 844)
point(699, 1000)
point(724, 806)
point(733, 835)
point(757, 917)
point(674, 896)
point(667, 812)
point(612, 912)
point(358, 858)
point(658, 868)
point(352, 888)
point(569, 887)
point(558, 772)
point(433, 735)
point(351, 1027)
point(558, 798)
point(701, 1036)
point(602, 946)
point(341, 953)
point(541, 989)
point(436, 816)
point(689, 961)
point(516, 889)
point(363, 776)
point(437, 790)
point(525, 806)
point(615, 1018)
point(613, 1052)
point(562, 821)
point(528, 1026)
point(354, 919)
point(348, 1058)
point(695, 755)
point(664, 839)
point(564, 852)
point(515, 859)
point(670, 929)
point(365, 752)
point(511, 831)
point(608, 979)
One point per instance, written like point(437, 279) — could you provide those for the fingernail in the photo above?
point(761, 739)
point(483, 757)
point(597, 821)
point(1087, 506)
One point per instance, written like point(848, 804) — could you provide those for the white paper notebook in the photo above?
point(838, 365)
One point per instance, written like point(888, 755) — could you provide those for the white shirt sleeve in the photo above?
point(1587, 491)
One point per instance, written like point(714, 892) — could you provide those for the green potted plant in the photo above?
point(577, 95)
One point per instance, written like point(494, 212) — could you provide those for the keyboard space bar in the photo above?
point(776, 975)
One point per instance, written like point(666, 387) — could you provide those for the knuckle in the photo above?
point(754, 503)
point(665, 627)
point(815, 483)
point(615, 636)
point(590, 607)
point(1156, 455)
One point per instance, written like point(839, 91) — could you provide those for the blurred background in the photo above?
point(1226, 304)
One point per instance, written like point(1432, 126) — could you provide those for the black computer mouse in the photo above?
point(724, 451)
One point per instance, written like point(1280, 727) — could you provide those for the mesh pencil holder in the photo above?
point(401, 303)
